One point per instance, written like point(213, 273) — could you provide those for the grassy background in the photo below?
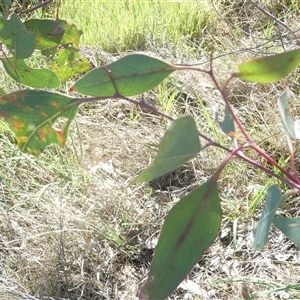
point(129, 25)
point(71, 225)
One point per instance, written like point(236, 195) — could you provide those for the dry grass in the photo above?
point(73, 228)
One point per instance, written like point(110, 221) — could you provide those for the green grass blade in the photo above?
point(269, 69)
point(179, 144)
point(189, 229)
point(31, 116)
point(290, 227)
point(131, 75)
point(274, 199)
point(211, 123)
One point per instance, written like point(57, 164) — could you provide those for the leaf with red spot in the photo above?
point(37, 78)
point(270, 68)
point(66, 61)
point(71, 34)
point(48, 33)
point(33, 115)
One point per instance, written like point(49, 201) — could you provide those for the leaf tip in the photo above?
point(143, 295)
point(135, 180)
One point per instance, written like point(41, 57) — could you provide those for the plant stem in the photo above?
point(272, 161)
point(223, 94)
point(232, 152)
point(46, 2)
point(293, 162)
point(291, 178)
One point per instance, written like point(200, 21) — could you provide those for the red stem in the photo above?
point(293, 162)
point(291, 178)
point(270, 160)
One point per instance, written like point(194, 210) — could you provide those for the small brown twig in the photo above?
point(46, 2)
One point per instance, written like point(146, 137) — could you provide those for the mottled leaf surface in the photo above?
point(269, 69)
point(189, 229)
point(131, 75)
point(290, 227)
point(15, 36)
point(179, 144)
point(65, 59)
point(31, 115)
point(48, 33)
point(274, 200)
point(36, 78)
point(66, 62)
point(71, 34)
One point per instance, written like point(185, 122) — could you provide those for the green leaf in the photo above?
point(4, 6)
point(290, 227)
point(2, 91)
point(227, 125)
point(297, 129)
point(286, 118)
point(131, 75)
point(71, 34)
point(15, 36)
point(189, 229)
point(31, 115)
point(274, 200)
point(59, 41)
point(48, 33)
point(37, 78)
point(66, 61)
point(269, 69)
point(179, 144)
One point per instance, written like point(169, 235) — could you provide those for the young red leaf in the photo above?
point(189, 229)
point(270, 68)
point(131, 75)
point(31, 116)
